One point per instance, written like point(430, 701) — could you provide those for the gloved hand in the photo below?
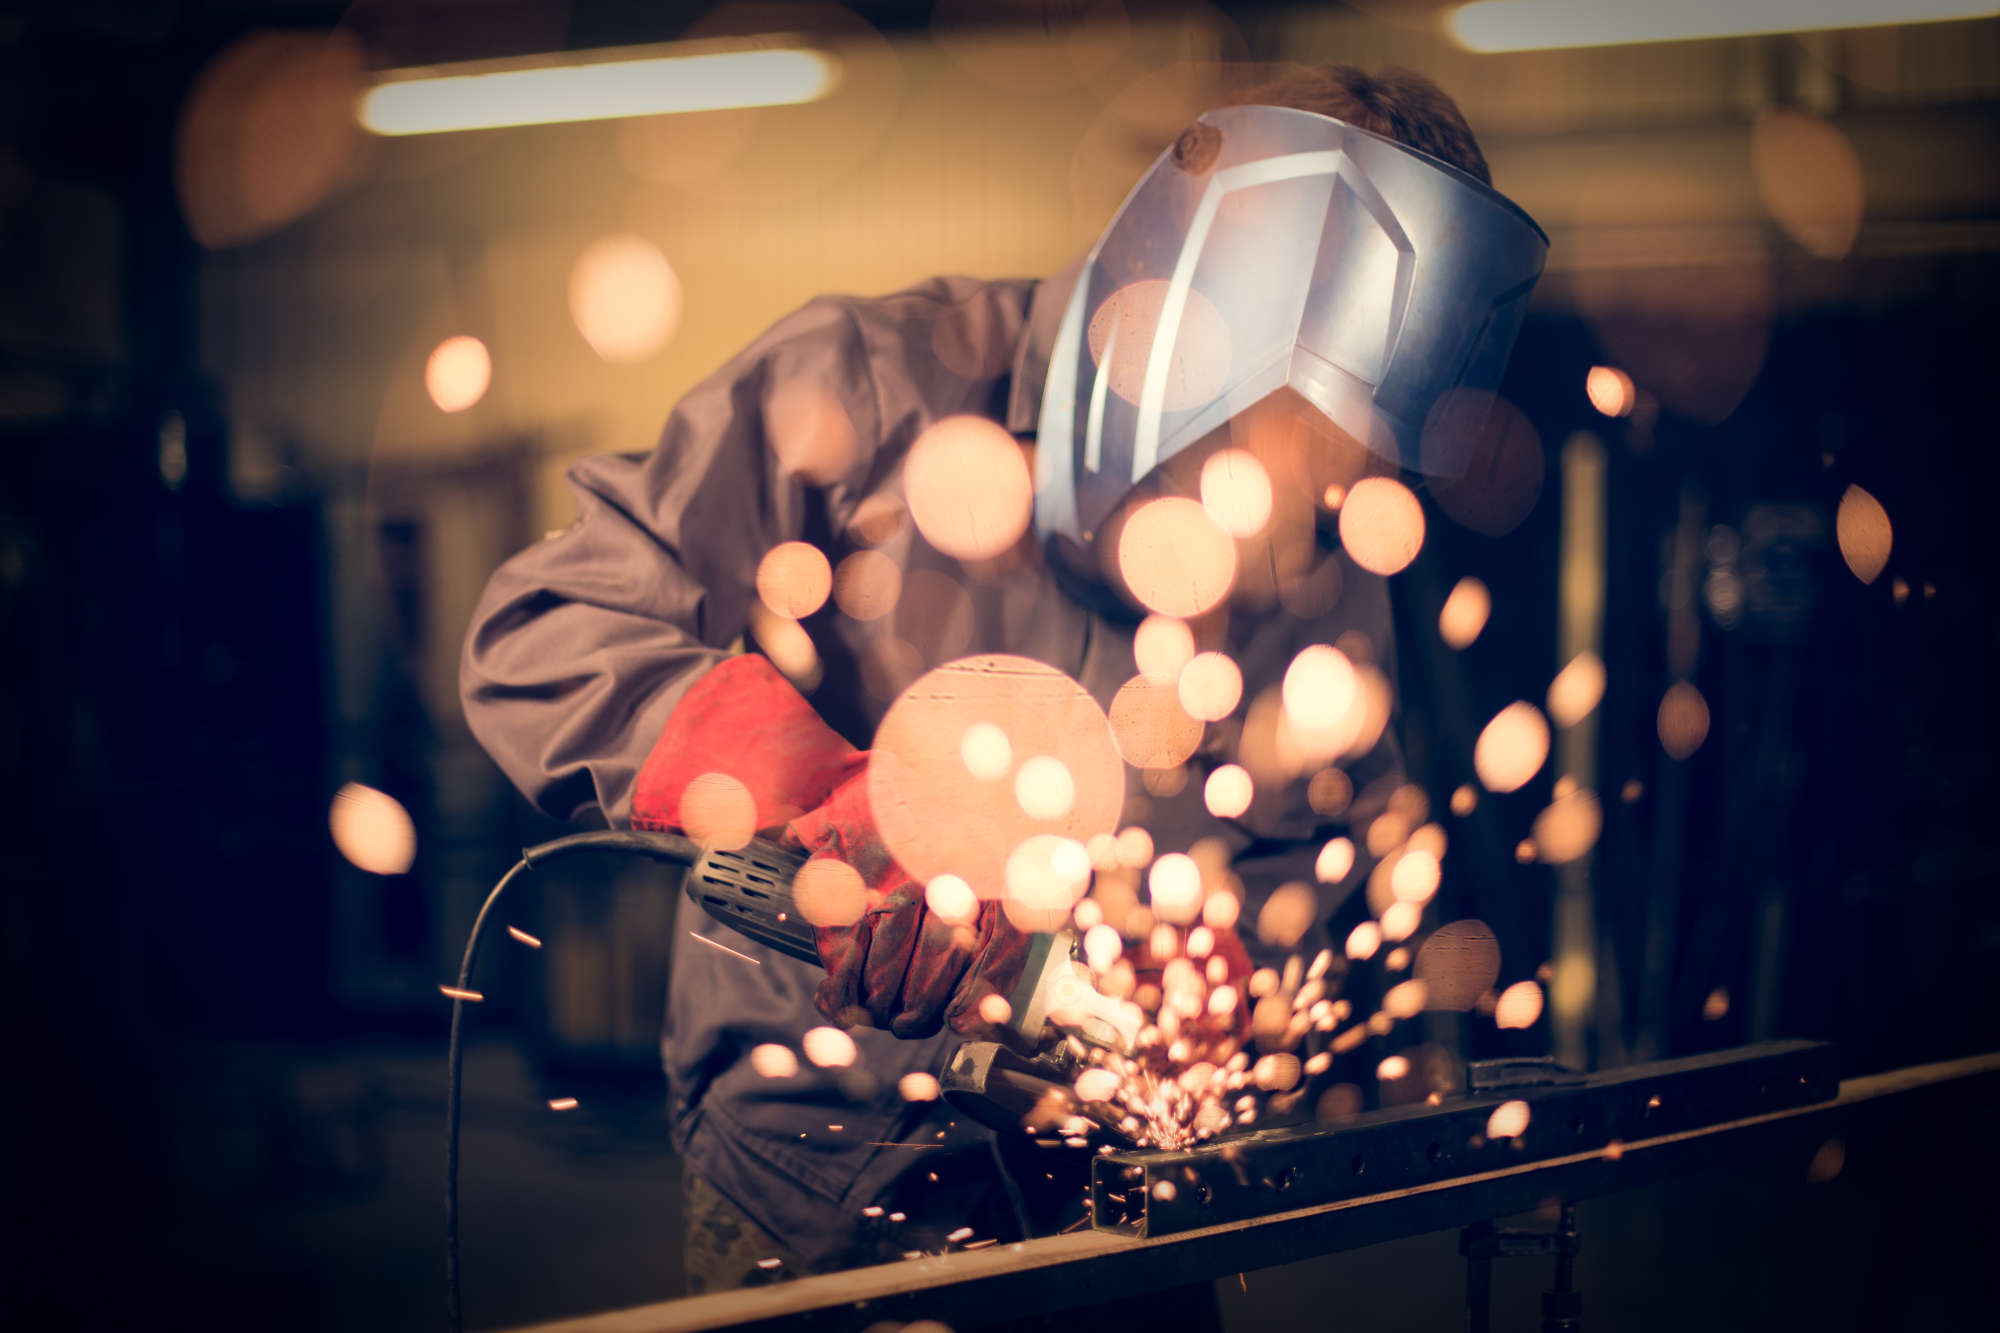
point(899, 967)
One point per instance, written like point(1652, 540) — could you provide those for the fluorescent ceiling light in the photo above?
point(592, 85)
point(1544, 25)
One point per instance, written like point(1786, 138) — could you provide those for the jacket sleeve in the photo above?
point(582, 644)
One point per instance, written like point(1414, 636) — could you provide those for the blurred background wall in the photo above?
point(255, 477)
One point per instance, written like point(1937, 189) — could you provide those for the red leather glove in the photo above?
point(900, 967)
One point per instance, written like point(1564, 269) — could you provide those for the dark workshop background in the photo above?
point(239, 543)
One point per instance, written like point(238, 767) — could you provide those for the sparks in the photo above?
point(524, 937)
point(457, 993)
point(562, 1104)
point(961, 1234)
point(726, 949)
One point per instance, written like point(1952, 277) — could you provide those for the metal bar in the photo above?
point(1160, 1193)
point(968, 1290)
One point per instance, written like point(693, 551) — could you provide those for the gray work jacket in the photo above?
point(584, 642)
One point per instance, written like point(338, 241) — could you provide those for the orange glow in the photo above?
point(1610, 391)
point(1393, 1068)
point(1465, 612)
point(1512, 748)
point(372, 830)
point(718, 812)
point(810, 432)
point(1152, 729)
point(267, 132)
point(968, 488)
point(1174, 558)
point(774, 1061)
point(1236, 492)
point(1716, 1005)
point(1683, 720)
point(952, 900)
point(1335, 861)
point(1044, 877)
point(459, 993)
point(829, 1048)
point(1519, 1005)
point(1102, 947)
point(1135, 848)
point(1524, 850)
point(1288, 914)
point(562, 1103)
point(1508, 1120)
point(625, 298)
point(458, 372)
point(937, 817)
point(1577, 689)
point(788, 646)
point(1330, 792)
point(1162, 646)
point(1096, 1085)
point(1415, 878)
point(1398, 959)
point(1810, 179)
point(1174, 885)
point(1430, 840)
point(1333, 495)
point(793, 579)
point(866, 585)
point(994, 1010)
point(1125, 325)
point(1406, 999)
point(1568, 827)
point(1044, 788)
point(1401, 920)
point(1210, 686)
point(988, 755)
point(1320, 688)
point(524, 937)
point(1164, 942)
point(1220, 909)
point(1861, 527)
point(1276, 1072)
point(1381, 525)
point(1228, 791)
point(829, 892)
point(1459, 963)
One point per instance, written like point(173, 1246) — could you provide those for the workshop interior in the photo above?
point(1654, 988)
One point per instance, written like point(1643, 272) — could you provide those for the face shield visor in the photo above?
point(1276, 250)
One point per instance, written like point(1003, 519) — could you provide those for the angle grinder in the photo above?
point(997, 1083)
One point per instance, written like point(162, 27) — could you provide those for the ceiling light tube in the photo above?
point(592, 85)
point(1546, 25)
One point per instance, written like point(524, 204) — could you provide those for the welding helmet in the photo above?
point(1272, 249)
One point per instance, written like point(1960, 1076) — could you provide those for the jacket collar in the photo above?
point(1031, 359)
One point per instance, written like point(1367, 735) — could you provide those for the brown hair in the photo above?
point(1399, 104)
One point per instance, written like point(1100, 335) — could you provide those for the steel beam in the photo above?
point(972, 1289)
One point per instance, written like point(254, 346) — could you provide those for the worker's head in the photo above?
point(1323, 259)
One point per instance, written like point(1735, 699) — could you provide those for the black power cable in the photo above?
point(664, 847)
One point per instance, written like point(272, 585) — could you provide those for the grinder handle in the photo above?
point(750, 891)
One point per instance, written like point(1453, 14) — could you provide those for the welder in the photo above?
point(1318, 264)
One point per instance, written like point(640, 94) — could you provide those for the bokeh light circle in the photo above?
point(1174, 559)
point(793, 579)
point(937, 816)
point(372, 830)
point(718, 812)
point(1511, 748)
point(968, 489)
point(625, 298)
point(457, 373)
point(1381, 525)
